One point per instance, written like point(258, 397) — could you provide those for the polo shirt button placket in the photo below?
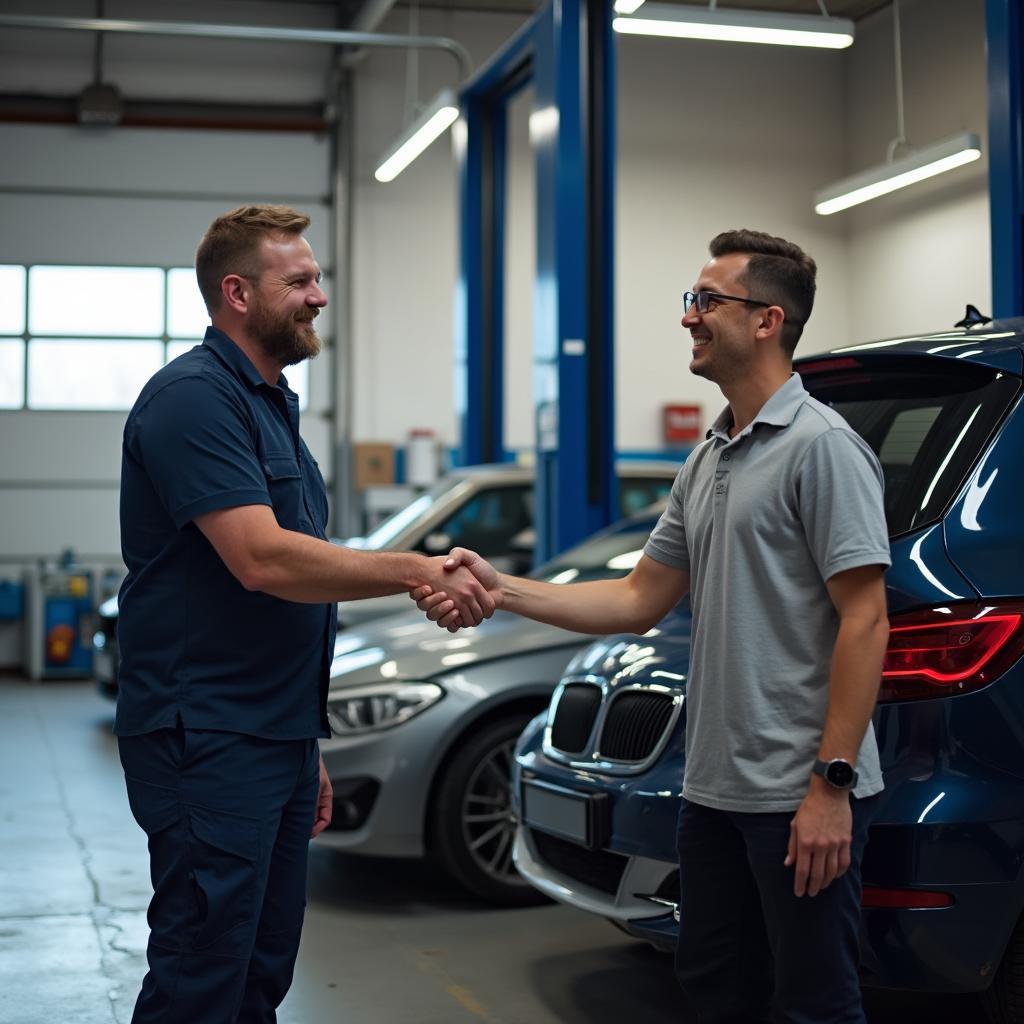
point(721, 478)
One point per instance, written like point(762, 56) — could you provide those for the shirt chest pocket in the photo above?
point(284, 483)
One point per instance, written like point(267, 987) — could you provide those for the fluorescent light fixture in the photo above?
point(685, 22)
point(626, 6)
point(439, 114)
point(923, 163)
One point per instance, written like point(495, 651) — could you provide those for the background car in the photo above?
point(490, 510)
point(597, 777)
point(486, 508)
point(425, 721)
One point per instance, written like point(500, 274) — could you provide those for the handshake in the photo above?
point(464, 589)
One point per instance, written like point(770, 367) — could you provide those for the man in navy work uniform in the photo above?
point(776, 528)
point(227, 621)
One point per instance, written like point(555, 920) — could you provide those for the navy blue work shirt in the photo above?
point(207, 433)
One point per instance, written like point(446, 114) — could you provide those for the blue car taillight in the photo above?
point(945, 651)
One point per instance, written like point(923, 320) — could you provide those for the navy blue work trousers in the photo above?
point(749, 950)
point(228, 818)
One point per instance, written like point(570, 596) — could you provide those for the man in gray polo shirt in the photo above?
point(776, 528)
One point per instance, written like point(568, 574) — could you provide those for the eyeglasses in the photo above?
point(704, 300)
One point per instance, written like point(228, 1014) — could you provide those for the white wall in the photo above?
point(405, 247)
point(58, 470)
point(711, 136)
point(682, 177)
point(714, 136)
point(916, 257)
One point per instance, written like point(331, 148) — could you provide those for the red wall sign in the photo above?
point(681, 423)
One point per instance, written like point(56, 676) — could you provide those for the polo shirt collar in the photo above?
point(778, 411)
point(233, 357)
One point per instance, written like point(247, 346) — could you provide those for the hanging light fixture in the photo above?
point(423, 124)
point(922, 163)
point(894, 174)
point(690, 22)
point(100, 102)
point(437, 116)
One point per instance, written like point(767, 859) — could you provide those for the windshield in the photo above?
point(601, 558)
point(385, 532)
point(927, 420)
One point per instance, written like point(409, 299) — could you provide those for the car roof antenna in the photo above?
point(973, 317)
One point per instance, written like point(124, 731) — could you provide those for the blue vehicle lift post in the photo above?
point(1005, 158)
point(566, 51)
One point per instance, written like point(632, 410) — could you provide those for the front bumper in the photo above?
point(950, 949)
point(384, 779)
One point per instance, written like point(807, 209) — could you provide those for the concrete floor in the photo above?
point(386, 942)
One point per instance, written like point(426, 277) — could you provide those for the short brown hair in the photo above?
point(232, 243)
point(779, 272)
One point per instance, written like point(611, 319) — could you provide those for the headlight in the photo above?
point(381, 706)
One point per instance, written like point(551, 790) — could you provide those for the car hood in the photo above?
point(661, 655)
point(407, 646)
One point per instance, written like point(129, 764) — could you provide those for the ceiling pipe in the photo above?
point(332, 37)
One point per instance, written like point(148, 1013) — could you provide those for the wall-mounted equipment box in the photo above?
point(58, 620)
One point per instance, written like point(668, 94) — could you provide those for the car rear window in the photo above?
point(928, 423)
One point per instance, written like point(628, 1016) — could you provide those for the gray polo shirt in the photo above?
point(761, 521)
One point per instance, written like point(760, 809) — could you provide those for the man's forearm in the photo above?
point(297, 567)
point(600, 606)
point(853, 685)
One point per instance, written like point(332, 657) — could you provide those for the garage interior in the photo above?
point(120, 147)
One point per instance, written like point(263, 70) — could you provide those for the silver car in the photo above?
point(490, 510)
point(425, 722)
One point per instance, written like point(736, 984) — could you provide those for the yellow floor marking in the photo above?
point(428, 962)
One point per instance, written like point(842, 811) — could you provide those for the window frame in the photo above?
point(165, 338)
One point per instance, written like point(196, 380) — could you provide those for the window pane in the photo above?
point(177, 348)
point(95, 301)
point(12, 372)
point(12, 300)
point(298, 381)
point(76, 373)
point(298, 376)
point(186, 312)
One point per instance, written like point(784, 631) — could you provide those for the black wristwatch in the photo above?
point(837, 773)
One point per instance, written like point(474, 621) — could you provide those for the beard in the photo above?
point(285, 338)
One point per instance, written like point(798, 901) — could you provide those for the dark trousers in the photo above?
point(228, 818)
point(749, 950)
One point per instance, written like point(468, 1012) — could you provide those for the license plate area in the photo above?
point(579, 817)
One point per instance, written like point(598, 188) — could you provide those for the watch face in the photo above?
point(840, 774)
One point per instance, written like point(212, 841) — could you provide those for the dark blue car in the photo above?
point(598, 775)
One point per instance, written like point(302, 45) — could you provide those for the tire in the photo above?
point(472, 828)
point(1004, 1000)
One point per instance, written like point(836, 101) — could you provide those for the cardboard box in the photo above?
point(373, 464)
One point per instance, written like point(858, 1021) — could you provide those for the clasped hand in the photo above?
point(466, 593)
